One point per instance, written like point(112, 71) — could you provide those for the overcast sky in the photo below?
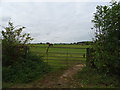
point(52, 21)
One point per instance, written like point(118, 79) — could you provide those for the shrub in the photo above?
point(12, 37)
point(25, 70)
point(107, 36)
point(91, 78)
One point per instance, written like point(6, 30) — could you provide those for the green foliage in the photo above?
point(16, 68)
point(90, 78)
point(25, 70)
point(12, 37)
point(107, 35)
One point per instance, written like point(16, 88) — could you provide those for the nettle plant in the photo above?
point(12, 37)
point(107, 35)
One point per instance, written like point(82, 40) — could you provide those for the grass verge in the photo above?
point(90, 78)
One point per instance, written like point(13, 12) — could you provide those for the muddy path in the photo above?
point(63, 79)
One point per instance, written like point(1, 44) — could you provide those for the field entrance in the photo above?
point(59, 56)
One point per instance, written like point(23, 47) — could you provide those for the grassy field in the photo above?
point(59, 56)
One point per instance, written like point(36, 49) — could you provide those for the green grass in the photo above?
point(90, 78)
point(61, 57)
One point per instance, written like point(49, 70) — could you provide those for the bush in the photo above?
point(25, 70)
point(107, 36)
point(91, 78)
point(12, 37)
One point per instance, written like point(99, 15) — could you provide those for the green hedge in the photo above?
point(25, 70)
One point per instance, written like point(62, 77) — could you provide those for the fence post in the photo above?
point(67, 57)
point(47, 57)
point(87, 56)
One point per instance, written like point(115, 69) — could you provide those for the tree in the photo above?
point(107, 35)
point(12, 37)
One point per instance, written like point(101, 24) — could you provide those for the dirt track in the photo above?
point(56, 80)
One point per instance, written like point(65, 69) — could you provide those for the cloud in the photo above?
point(5, 19)
point(56, 0)
point(51, 21)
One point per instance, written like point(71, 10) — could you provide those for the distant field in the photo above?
point(61, 55)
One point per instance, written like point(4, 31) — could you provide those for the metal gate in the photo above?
point(61, 56)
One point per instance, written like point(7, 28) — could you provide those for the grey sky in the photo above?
point(52, 21)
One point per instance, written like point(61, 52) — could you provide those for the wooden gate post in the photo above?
point(67, 57)
point(90, 58)
point(87, 56)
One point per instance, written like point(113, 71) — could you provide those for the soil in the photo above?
point(64, 79)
